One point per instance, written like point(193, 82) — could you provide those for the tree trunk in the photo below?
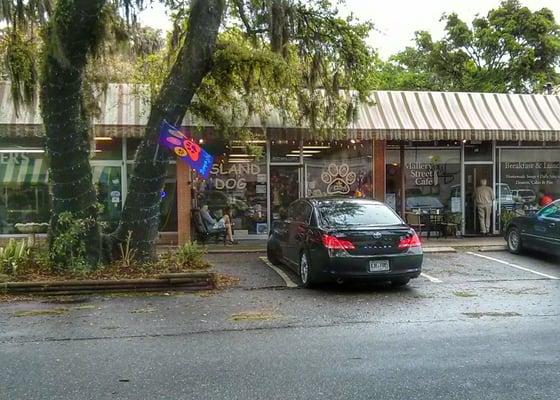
point(141, 212)
point(71, 34)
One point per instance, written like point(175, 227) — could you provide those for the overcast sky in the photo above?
point(395, 20)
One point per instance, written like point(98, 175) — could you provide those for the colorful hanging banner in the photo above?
point(186, 149)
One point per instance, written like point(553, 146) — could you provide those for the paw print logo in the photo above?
point(338, 178)
point(183, 146)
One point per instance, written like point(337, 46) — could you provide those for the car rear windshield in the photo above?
point(349, 213)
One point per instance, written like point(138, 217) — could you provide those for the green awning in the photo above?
point(23, 170)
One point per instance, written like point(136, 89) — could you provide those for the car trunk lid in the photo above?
point(369, 241)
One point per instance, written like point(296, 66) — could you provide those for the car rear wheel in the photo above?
point(400, 282)
point(513, 238)
point(306, 273)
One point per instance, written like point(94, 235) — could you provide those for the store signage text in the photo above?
point(221, 172)
point(13, 158)
point(424, 174)
point(532, 173)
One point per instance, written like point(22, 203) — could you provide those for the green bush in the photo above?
point(188, 256)
point(68, 249)
point(191, 255)
point(15, 255)
point(506, 217)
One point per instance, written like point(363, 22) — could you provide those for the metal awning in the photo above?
point(392, 115)
point(455, 116)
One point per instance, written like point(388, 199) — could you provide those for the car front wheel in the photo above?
point(513, 238)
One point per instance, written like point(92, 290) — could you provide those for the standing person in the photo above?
point(228, 224)
point(483, 198)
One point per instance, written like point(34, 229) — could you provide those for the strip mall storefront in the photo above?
point(412, 150)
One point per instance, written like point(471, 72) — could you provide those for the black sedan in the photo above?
point(344, 239)
point(538, 232)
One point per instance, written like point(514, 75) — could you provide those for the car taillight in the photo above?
point(334, 243)
point(410, 241)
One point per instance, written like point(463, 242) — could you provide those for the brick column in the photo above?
point(379, 169)
point(183, 203)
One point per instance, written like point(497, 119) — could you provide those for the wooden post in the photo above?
point(379, 169)
point(184, 203)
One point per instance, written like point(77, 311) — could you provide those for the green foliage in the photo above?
point(68, 246)
point(512, 49)
point(506, 217)
point(15, 255)
point(20, 60)
point(313, 73)
point(127, 253)
point(189, 256)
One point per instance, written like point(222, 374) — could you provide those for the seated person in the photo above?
point(210, 223)
point(228, 224)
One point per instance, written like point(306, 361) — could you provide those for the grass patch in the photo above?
point(146, 310)
point(257, 315)
point(464, 293)
point(41, 313)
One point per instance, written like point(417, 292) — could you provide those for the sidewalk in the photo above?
point(431, 245)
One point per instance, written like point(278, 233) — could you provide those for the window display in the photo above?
point(237, 181)
point(432, 179)
point(24, 192)
point(529, 178)
point(338, 169)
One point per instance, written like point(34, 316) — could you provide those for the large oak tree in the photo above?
point(511, 49)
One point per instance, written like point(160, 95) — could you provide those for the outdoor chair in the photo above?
point(203, 233)
point(414, 220)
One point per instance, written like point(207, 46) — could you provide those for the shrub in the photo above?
point(127, 253)
point(68, 249)
point(15, 255)
point(188, 256)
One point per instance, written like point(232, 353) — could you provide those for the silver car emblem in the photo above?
point(377, 235)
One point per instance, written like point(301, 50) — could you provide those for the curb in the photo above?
point(189, 282)
point(442, 249)
point(235, 251)
point(492, 248)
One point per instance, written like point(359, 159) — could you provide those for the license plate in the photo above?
point(377, 266)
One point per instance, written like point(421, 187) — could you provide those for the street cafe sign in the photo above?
point(186, 149)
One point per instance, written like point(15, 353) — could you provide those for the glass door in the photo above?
point(107, 179)
point(285, 188)
point(477, 175)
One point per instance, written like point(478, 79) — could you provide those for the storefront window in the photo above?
point(529, 180)
point(238, 181)
point(106, 148)
point(285, 151)
point(24, 192)
point(432, 179)
point(338, 168)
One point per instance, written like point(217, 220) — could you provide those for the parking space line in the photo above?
point(513, 265)
point(287, 280)
point(431, 278)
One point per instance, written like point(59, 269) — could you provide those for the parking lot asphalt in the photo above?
point(477, 325)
